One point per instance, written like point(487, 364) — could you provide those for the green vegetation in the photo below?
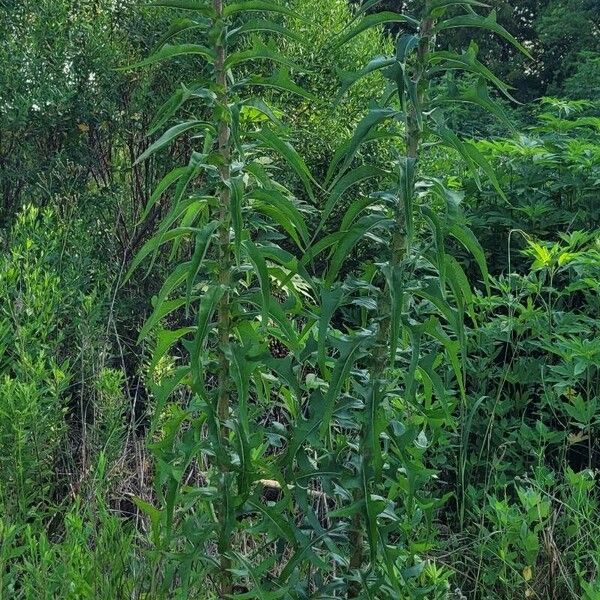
point(299, 301)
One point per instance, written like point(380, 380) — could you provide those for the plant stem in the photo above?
point(225, 263)
point(401, 247)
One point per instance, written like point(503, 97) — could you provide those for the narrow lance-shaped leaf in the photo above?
point(240, 370)
point(203, 239)
point(371, 510)
point(262, 272)
point(237, 196)
point(199, 6)
point(280, 81)
point(170, 135)
point(262, 25)
point(176, 101)
point(164, 340)
point(258, 6)
point(490, 23)
point(285, 326)
point(284, 149)
point(373, 118)
point(260, 51)
point(275, 204)
point(354, 210)
point(168, 51)
point(166, 182)
point(342, 150)
point(438, 235)
point(208, 304)
point(348, 79)
point(348, 241)
point(173, 281)
point(375, 20)
point(469, 240)
point(154, 243)
point(406, 191)
point(343, 184)
point(393, 275)
point(444, 61)
point(330, 300)
point(345, 362)
point(179, 26)
point(437, 7)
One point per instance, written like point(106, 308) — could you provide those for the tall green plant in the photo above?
point(416, 296)
point(308, 466)
point(239, 297)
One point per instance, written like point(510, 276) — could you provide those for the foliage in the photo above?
point(533, 426)
point(549, 174)
point(295, 302)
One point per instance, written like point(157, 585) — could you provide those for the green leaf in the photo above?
point(179, 26)
point(394, 278)
point(343, 184)
point(355, 209)
point(478, 159)
point(262, 25)
point(479, 96)
point(283, 211)
point(166, 182)
point(168, 51)
point(372, 509)
point(347, 242)
point(165, 338)
point(375, 20)
point(284, 149)
point(445, 60)
point(237, 196)
point(489, 23)
point(315, 249)
point(330, 300)
point(155, 516)
point(161, 311)
point(406, 191)
point(240, 369)
point(208, 305)
point(373, 118)
point(260, 51)
point(172, 134)
point(469, 240)
point(459, 283)
point(276, 521)
point(437, 7)
point(197, 5)
point(438, 235)
point(258, 5)
point(348, 79)
point(171, 283)
point(154, 243)
point(471, 155)
point(203, 239)
point(280, 81)
point(283, 367)
point(285, 331)
point(349, 350)
point(416, 334)
point(304, 429)
point(175, 102)
point(252, 106)
point(257, 259)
